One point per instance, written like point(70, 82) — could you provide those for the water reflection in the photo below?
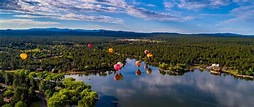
point(149, 71)
point(138, 72)
point(118, 76)
point(146, 66)
point(158, 89)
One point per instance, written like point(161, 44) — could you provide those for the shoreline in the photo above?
point(231, 72)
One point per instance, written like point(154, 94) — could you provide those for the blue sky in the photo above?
point(182, 16)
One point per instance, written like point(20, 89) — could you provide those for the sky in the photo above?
point(178, 16)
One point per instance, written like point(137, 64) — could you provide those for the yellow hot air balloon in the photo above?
point(110, 50)
point(149, 55)
point(23, 56)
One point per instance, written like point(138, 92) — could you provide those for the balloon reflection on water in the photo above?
point(138, 72)
point(149, 71)
point(146, 66)
point(117, 77)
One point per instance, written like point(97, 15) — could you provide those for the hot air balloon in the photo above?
point(149, 55)
point(110, 50)
point(89, 45)
point(117, 67)
point(146, 52)
point(149, 71)
point(120, 63)
point(138, 63)
point(138, 72)
point(117, 77)
point(23, 56)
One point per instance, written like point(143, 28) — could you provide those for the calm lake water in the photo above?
point(193, 89)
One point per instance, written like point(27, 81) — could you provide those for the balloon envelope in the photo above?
point(120, 63)
point(138, 63)
point(110, 50)
point(117, 77)
point(89, 45)
point(23, 55)
point(138, 72)
point(149, 55)
point(117, 67)
point(146, 51)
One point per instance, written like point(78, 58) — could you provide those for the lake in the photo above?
point(193, 89)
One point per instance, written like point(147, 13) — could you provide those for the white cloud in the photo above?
point(151, 15)
point(78, 9)
point(27, 16)
point(151, 5)
point(108, 19)
point(241, 14)
point(26, 21)
point(87, 10)
point(199, 4)
point(168, 5)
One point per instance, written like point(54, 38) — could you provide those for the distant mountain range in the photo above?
point(101, 32)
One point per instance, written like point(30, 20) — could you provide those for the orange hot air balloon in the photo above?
point(149, 55)
point(117, 77)
point(90, 45)
point(110, 50)
point(149, 71)
point(138, 63)
point(138, 72)
point(23, 56)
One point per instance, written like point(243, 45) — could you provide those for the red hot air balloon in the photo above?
point(117, 67)
point(89, 45)
point(146, 51)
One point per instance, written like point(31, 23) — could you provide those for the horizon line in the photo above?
point(126, 31)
